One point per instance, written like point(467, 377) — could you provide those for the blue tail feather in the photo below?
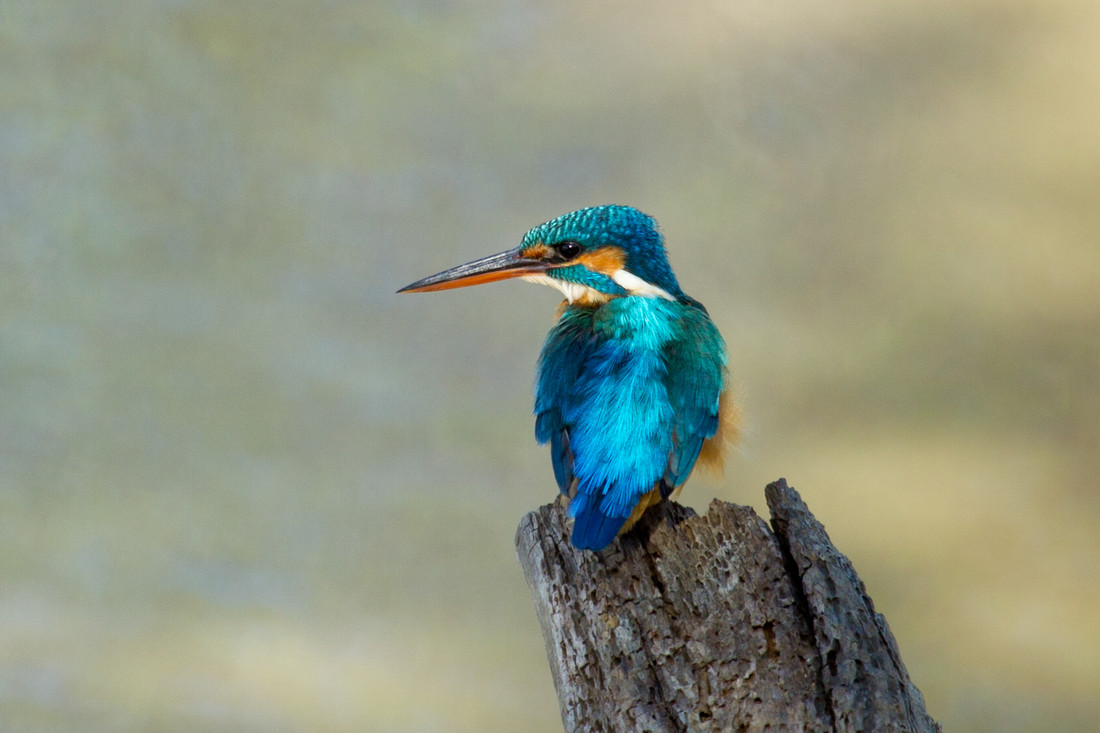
point(592, 529)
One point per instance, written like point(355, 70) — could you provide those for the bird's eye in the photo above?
point(568, 249)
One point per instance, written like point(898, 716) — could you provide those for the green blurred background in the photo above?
point(245, 487)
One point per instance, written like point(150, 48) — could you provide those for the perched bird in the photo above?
point(632, 387)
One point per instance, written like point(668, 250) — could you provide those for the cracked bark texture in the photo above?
point(717, 622)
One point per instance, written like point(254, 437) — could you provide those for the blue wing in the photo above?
point(567, 350)
point(696, 370)
point(626, 395)
point(620, 438)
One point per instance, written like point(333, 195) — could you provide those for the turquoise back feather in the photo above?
point(626, 394)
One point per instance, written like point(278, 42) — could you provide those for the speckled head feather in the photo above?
point(614, 225)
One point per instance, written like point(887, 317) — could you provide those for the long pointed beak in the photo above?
point(489, 269)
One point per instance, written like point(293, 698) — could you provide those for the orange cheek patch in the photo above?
point(605, 260)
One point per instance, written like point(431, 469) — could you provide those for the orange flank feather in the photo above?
point(712, 456)
point(653, 498)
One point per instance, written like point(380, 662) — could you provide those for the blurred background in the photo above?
point(245, 487)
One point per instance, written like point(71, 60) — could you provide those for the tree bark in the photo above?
point(714, 623)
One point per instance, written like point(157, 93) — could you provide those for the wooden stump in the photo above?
point(714, 623)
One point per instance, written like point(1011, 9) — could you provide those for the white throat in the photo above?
point(577, 292)
point(572, 291)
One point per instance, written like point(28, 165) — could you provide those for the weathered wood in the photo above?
point(714, 623)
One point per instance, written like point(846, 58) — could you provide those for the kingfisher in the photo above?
point(632, 386)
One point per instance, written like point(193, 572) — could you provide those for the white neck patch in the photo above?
point(637, 286)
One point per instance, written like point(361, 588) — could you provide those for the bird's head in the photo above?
point(591, 255)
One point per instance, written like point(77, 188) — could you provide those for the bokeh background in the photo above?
point(245, 487)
